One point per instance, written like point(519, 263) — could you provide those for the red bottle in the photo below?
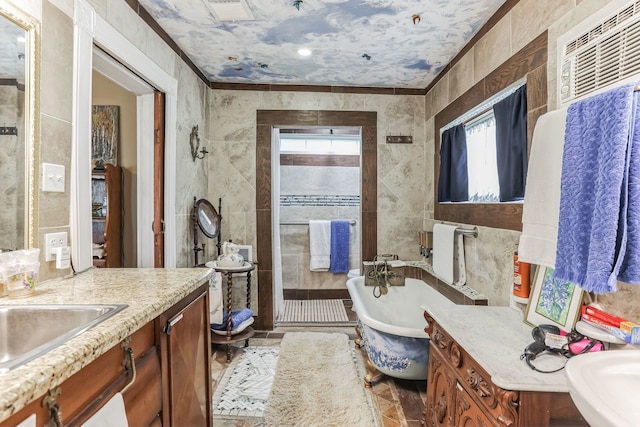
point(521, 283)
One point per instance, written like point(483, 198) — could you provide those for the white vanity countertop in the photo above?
point(147, 292)
point(495, 337)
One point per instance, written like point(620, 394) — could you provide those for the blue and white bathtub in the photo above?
point(392, 327)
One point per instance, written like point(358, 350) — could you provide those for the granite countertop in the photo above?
point(147, 292)
point(495, 337)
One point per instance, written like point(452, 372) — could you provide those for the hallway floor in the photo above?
point(397, 402)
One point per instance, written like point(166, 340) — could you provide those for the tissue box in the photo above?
point(633, 329)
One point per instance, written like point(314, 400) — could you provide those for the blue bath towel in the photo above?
point(237, 317)
point(339, 246)
point(598, 206)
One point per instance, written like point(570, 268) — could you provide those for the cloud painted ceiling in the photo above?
point(380, 43)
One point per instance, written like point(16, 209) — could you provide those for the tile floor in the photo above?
point(398, 403)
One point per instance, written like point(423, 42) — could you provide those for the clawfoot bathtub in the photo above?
point(391, 329)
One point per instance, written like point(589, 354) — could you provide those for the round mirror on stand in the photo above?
point(206, 219)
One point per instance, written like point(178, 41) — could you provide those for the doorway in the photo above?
point(94, 34)
point(267, 121)
point(316, 187)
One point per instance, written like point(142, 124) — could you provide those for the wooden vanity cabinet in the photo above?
point(81, 395)
point(460, 393)
point(172, 385)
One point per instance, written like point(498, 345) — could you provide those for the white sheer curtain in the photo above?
point(482, 164)
point(278, 292)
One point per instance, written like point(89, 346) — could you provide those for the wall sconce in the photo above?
point(194, 141)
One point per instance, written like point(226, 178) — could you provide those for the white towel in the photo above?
point(448, 254)
point(112, 414)
point(215, 299)
point(542, 195)
point(320, 245)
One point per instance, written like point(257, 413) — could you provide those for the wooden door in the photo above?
point(158, 179)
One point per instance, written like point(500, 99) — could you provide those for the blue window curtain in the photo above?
point(511, 144)
point(453, 182)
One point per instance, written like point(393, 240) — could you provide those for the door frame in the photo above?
point(91, 29)
point(266, 120)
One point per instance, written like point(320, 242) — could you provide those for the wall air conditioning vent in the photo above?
point(230, 10)
point(605, 53)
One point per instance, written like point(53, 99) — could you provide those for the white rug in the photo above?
point(313, 311)
point(244, 389)
point(316, 384)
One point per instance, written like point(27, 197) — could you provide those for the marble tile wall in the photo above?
point(402, 179)
point(489, 257)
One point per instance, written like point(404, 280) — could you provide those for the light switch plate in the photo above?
point(52, 178)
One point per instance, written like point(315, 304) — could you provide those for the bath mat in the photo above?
point(244, 389)
point(313, 311)
point(316, 384)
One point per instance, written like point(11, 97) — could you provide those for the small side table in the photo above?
point(229, 339)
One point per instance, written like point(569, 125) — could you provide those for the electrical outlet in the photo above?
point(51, 241)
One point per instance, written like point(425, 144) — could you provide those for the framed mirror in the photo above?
point(19, 127)
point(207, 218)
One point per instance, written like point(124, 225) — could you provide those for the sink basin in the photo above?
point(28, 331)
point(605, 387)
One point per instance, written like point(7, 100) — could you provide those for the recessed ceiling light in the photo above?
point(304, 52)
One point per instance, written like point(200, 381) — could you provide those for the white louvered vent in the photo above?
point(607, 53)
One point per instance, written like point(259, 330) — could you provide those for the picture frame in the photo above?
point(552, 301)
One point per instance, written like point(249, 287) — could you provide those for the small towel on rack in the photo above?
point(320, 245)
point(592, 230)
point(339, 246)
point(448, 254)
point(215, 298)
point(112, 414)
point(237, 317)
point(541, 206)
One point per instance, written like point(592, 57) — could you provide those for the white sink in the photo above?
point(605, 387)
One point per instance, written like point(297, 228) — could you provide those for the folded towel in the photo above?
point(592, 229)
point(541, 206)
point(237, 317)
point(339, 246)
point(320, 245)
point(112, 414)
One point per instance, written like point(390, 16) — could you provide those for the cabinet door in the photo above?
point(467, 412)
point(186, 361)
point(440, 391)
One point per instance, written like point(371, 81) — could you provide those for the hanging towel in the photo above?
point(339, 246)
point(542, 195)
point(112, 414)
point(448, 254)
point(215, 298)
point(592, 228)
point(320, 245)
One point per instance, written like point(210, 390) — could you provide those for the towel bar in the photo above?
point(472, 232)
point(351, 222)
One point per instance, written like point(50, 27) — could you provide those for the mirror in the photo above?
point(19, 119)
point(208, 218)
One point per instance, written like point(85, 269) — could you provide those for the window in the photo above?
point(482, 165)
point(308, 144)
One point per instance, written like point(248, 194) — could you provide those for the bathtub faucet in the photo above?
point(384, 276)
